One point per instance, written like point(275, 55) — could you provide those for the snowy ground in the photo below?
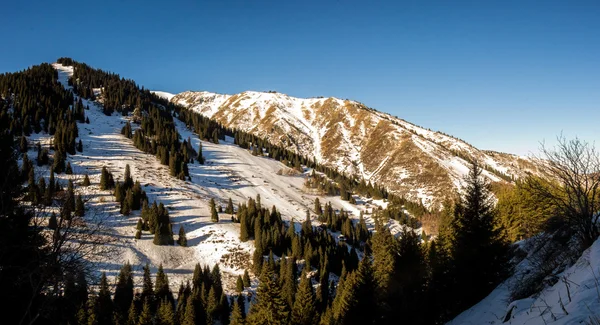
point(572, 300)
point(229, 172)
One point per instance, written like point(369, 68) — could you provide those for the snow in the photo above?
point(163, 94)
point(229, 172)
point(580, 281)
point(255, 112)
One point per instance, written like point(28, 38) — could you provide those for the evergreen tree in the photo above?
point(189, 317)
point(79, 207)
point(200, 158)
point(246, 279)
point(239, 284)
point(86, 181)
point(52, 222)
point(104, 306)
point(80, 146)
point(236, 316)
point(165, 314)
point(69, 169)
point(304, 310)
point(229, 208)
point(147, 286)
point(479, 251)
point(214, 216)
point(146, 315)
point(270, 307)
point(182, 240)
point(132, 314)
point(124, 289)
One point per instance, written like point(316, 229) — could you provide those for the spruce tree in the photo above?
point(69, 169)
point(200, 158)
point(79, 207)
point(80, 146)
point(124, 289)
point(165, 314)
point(52, 222)
point(270, 307)
point(239, 284)
point(478, 248)
point(146, 315)
point(147, 286)
point(246, 279)
point(86, 180)
point(214, 215)
point(229, 208)
point(236, 315)
point(189, 317)
point(304, 311)
point(182, 239)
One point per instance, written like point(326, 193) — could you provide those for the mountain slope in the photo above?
point(229, 172)
point(411, 161)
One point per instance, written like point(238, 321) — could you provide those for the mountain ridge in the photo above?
point(410, 160)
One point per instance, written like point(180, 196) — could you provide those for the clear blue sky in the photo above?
point(501, 75)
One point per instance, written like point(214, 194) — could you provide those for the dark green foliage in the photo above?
point(200, 158)
point(478, 248)
point(246, 279)
point(52, 222)
point(270, 307)
point(229, 208)
point(79, 207)
point(237, 317)
point(86, 181)
point(124, 290)
point(182, 240)
point(107, 181)
point(214, 215)
point(304, 310)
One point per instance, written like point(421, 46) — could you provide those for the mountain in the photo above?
point(409, 160)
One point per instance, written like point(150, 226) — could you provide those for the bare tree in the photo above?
point(574, 192)
point(73, 247)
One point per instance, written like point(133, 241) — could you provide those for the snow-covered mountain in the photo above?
point(410, 160)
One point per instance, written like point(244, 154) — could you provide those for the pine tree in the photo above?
point(124, 289)
point(244, 235)
point(147, 286)
point(246, 279)
point(189, 317)
point(478, 249)
point(138, 234)
point(86, 181)
point(80, 146)
point(304, 311)
point(23, 144)
point(104, 304)
point(229, 208)
point(214, 216)
point(239, 284)
point(146, 315)
point(236, 316)
point(270, 307)
point(132, 314)
point(104, 181)
point(165, 314)
point(200, 158)
point(79, 207)
point(162, 288)
point(52, 222)
point(69, 169)
point(182, 239)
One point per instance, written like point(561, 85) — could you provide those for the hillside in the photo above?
point(417, 163)
point(228, 172)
